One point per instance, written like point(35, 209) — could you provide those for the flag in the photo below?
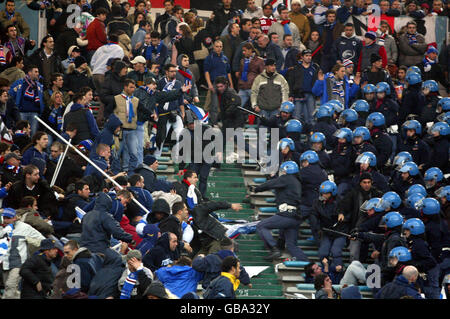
point(436, 27)
point(80, 213)
point(199, 113)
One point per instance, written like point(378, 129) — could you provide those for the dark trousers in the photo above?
point(289, 227)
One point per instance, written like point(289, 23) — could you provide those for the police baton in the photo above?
point(248, 111)
point(336, 232)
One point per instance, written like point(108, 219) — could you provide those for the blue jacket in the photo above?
point(31, 153)
point(99, 225)
point(320, 89)
point(89, 265)
point(144, 197)
point(173, 105)
point(17, 93)
point(179, 279)
point(421, 254)
point(220, 288)
point(152, 183)
point(398, 288)
point(210, 266)
point(216, 65)
point(106, 136)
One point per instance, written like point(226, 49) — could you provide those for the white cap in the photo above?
point(139, 59)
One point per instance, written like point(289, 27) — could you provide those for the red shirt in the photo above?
point(96, 35)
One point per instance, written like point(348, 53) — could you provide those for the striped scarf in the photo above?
point(8, 15)
point(149, 51)
point(427, 63)
point(130, 111)
point(13, 168)
point(128, 286)
point(31, 92)
point(191, 197)
point(2, 55)
point(147, 89)
point(338, 86)
point(412, 38)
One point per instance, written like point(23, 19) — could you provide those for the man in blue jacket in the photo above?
point(28, 94)
point(226, 284)
point(403, 285)
point(210, 265)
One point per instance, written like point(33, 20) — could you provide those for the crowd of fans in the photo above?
point(363, 149)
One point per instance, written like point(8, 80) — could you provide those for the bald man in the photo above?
point(403, 285)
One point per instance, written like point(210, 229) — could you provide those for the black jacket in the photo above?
point(207, 223)
point(37, 58)
point(75, 80)
point(171, 224)
point(295, 78)
point(230, 115)
point(352, 201)
point(112, 86)
point(36, 269)
point(161, 255)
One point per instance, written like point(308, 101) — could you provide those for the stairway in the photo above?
point(227, 183)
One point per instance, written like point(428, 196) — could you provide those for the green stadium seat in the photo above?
point(295, 263)
point(260, 180)
point(268, 209)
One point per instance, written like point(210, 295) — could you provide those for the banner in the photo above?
point(436, 26)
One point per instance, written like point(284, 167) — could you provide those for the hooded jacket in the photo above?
point(179, 279)
point(112, 86)
point(161, 255)
point(106, 136)
point(398, 288)
point(152, 183)
point(210, 266)
point(149, 238)
point(347, 48)
point(85, 122)
point(193, 91)
point(99, 225)
point(89, 264)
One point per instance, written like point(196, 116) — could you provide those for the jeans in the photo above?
point(116, 166)
point(245, 96)
point(140, 131)
point(354, 247)
point(29, 116)
point(304, 108)
point(11, 281)
point(128, 150)
point(354, 275)
point(202, 170)
point(332, 247)
point(289, 226)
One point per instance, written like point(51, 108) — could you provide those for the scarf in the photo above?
point(130, 111)
point(338, 87)
point(285, 24)
point(187, 77)
point(191, 197)
point(246, 67)
point(20, 45)
point(31, 92)
point(128, 285)
point(382, 38)
point(8, 15)
point(236, 282)
point(427, 63)
point(168, 87)
point(149, 51)
point(13, 168)
point(147, 89)
point(329, 25)
point(412, 38)
point(55, 117)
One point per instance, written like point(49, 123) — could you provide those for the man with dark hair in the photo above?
point(21, 136)
point(96, 32)
point(231, 40)
point(301, 79)
point(170, 114)
point(137, 40)
point(142, 195)
point(370, 47)
point(347, 46)
point(173, 222)
point(223, 13)
point(286, 26)
point(118, 22)
point(126, 106)
point(28, 96)
point(411, 45)
point(13, 18)
point(18, 46)
point(56, 83)
point(161, 20)
point(47, 60)
point(226, 284)
point(267, 19)
point(331, 30)
point(33, 185)
point(187, 189)
point(153, 49)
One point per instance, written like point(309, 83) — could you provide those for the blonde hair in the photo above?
point(53, 97)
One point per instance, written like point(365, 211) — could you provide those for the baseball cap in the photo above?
point(139, 59)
